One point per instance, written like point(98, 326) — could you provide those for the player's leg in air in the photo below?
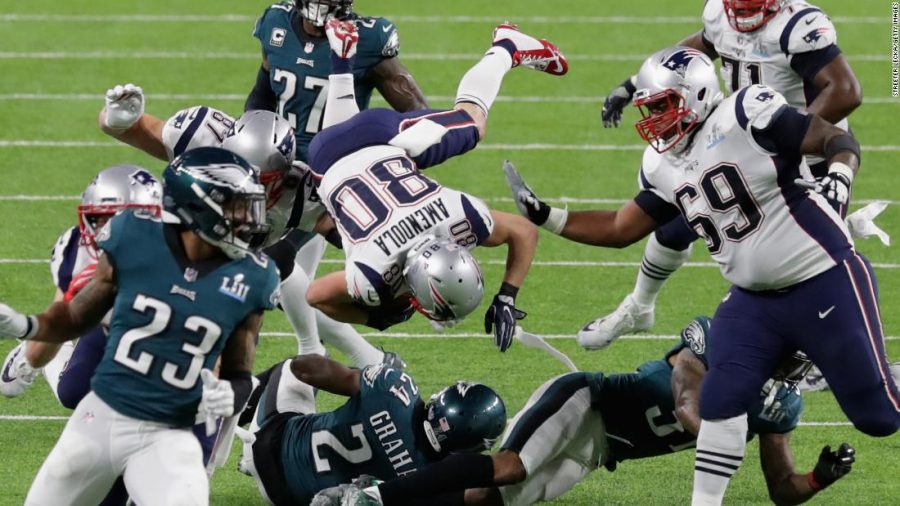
point(666, 251)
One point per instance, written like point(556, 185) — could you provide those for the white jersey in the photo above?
point(765, 56)
point(383, 206)
point(69, 257)
point(201, 126)
point(761, 228)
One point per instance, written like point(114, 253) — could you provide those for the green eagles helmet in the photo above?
point(465, 417)
point(217, 194)
point(318, 12)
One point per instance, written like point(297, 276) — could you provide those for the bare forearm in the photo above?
point(597, 228)
point(520, 254)
point(325, 374)
point(59, 324)
point(833, 103)
point(793, 489)
point(695, 40)
point(145, 135)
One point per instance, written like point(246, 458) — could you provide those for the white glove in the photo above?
point(14, 324)
point(343, 37)
point(124, 106)
point(217, 400)
point(861, 223)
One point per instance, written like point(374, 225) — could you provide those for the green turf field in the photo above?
point(57, 59)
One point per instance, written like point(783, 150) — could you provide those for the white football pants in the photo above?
point(162, 465)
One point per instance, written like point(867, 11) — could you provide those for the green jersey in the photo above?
point(171, 318)
point(374, 433)
point(299, 65)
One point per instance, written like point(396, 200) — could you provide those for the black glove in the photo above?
point(528, 204)
point(615, 102)
point(833, 465)
point(502, 316)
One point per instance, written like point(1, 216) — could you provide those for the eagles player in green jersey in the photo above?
point(293, 77)
point(384, 429)
point(578, 422)
point(184, 290)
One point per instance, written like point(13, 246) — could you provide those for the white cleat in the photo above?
point(540, 55)
point(628, 318)
point(17, 375)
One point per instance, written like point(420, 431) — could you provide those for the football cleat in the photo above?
point(343, 37)
point(17, 375)
point(540, 55)
point(628, 318)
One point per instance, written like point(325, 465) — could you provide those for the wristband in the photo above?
point(811, 481)
point(508, 290)
point(630, 85)
point(841, 168)
point(32, 327)
point(556, 221)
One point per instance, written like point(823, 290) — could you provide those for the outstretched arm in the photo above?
point(784, 484)
point(326, 374)
point(687, 376)
point(839, 91)
point(123, 118)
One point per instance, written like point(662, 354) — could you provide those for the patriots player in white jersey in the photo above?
point(72, 263)
point(787, 45)
point(731, 168)
point(406, 237)
point(294, 210)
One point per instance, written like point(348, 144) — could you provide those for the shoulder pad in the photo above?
point(809, 29)
point(275, 12)
point(756, 105)
point(650, 163)
point(383, 34)
point(195, 127)
point(712, 20)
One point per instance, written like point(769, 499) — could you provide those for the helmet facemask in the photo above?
point(750, 15)
point(666, 121)
point(318, 12)
point(244, 224)
point(92, 217)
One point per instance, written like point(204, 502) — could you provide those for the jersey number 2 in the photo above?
point(724, 190)
point(289, 80)
point(326, 438)
point(162, 314)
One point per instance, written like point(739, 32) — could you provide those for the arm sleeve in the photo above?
point(341, 102)
point(657, 208)
point(262, 96)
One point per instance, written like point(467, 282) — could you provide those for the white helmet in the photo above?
point(113, 189)
point(445, 279)
point(677, 89)
point(266, 140)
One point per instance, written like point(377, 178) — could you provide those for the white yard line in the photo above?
point(397, 18)
point(542, 263)
point(536, 146)
point(232, 55)
point(237, 97)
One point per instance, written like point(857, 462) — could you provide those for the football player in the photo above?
point(294, 212)
point(72, 263)
point(407, 238)
point(579, 422)
point(731, 168)
point(384, 429)
point(787, 45)
point(185, 290)
point(296, 62)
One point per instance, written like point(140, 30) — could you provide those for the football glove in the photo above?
point(342, 37)
point(216, 401)
point(15, 325)
point(833, 465)
point(528, 204)
point(834, 186)
point(124, 106)
point(615, 103)
point(861, 223)
point(502, 317)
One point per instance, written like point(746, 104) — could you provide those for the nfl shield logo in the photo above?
point(308, 48)
point(190, 275)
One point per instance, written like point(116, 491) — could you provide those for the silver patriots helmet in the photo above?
point(445, 279)
point(318, 12)
point(677, 89)
point(266, 140)
point(112, 190)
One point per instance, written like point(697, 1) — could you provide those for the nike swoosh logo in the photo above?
point(823, 314)
point(346, 97)
point(809, 21)
point(387, 28)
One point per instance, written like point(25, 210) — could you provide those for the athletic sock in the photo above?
point(658, 264)
point(348, 341)
point(481, 84)
point(300, 314)
point(720, 451)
